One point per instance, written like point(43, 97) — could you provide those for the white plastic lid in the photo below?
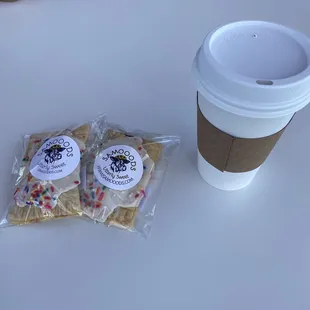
point(255, 69)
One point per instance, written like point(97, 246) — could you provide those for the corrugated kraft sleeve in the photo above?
point(228, 153)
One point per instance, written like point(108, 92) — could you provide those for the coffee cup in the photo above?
point(251, 78)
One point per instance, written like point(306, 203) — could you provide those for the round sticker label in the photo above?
point(55, 159)
point(119, 167)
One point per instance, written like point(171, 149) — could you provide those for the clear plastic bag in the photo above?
point(111, 175)
point(122, 173)
point(46, 175)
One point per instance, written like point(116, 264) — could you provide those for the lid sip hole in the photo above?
point(264, 82)
point(254, 36)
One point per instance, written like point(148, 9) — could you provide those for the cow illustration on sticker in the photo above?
point(55, 159)
point(119, 163)
point(53, 153)
point(118, 167)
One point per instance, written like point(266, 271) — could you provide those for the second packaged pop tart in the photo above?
point(121, 175)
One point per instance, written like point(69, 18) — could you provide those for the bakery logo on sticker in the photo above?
point(53, 153)
point(55, 159)
point(119, 167)
point(53, 148)
point(119, 163)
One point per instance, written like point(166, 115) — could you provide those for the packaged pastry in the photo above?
point(47, 176)
point(118, 182)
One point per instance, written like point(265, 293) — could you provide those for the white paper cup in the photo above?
point(252, 77)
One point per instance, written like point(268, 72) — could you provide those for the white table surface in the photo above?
point(63, 62)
